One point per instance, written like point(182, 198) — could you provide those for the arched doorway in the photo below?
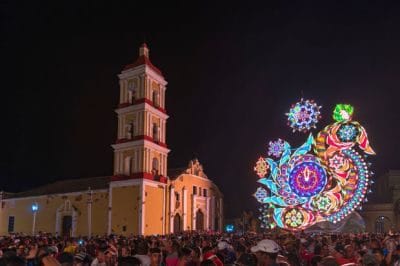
point(66, 226)
point(199, 220)
point(66, 219)
point(382, 224)
point(177, 223)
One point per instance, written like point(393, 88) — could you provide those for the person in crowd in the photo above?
point(142, 250)
point(266, 252)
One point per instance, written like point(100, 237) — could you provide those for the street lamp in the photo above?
point(35, 208)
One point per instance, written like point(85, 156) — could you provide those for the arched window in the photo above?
point(131, 92)
point(155, 132)
point(155, 166)
point(127, 166)
point(130, 130)
point(155, 98)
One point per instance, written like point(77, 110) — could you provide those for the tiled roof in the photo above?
point(143, 60)
point(65, 186)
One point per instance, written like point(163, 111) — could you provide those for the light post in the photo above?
point(89, 210)
point(35, 208)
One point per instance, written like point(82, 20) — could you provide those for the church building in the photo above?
point(143, 196)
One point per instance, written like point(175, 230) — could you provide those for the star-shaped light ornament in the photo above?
point(336, 162)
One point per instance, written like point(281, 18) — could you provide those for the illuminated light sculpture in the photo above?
point(343, 112)
point(304, 115)
point(276, 148)
point(261, 167)
point(325, 179)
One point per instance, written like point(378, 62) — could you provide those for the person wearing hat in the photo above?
point(266, 252)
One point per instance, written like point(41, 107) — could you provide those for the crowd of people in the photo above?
point(203, 249)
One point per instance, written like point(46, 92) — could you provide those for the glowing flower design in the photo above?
point(261, 167)
point(322, 203)
point(343, 112)
point(324, 179)
point(276, 148)
point(294, 218)
point(336, 162)
point(303, 115)
point(261, 194)
point(307, 178)
point(347, 133)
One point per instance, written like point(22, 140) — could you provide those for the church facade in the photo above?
point(142, 197)
point(382, 214)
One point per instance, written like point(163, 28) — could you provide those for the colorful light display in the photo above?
point(276, 148)
point(304, 115)
point(343, 112)
point(324, 179)
point(261, 167)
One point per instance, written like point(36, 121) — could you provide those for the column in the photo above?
point(141, 216)
point(145, 160)
point(141, 155)
point(120, 162)
point(193, 212)
point(208, 199)
point(149, 125)
point(163, 209)
point(161, 165)
point(213, 213)
point(124, 94)
point(89, 210)
point(119, 127)
point(165, 164)
point(136, 166)
point(149, 161)
point(121, 93)
point(184, 202)
point(172, 209)
point(109, 211)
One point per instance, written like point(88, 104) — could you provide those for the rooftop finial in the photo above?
point(144, 50)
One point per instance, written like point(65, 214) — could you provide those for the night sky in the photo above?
point(233, 72)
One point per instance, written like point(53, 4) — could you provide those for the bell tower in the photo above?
point(140, 151)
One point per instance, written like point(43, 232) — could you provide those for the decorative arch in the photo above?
point(66, 213)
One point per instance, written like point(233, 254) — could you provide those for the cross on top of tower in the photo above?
point(144, 50)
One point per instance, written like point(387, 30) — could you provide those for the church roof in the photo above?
point(143, 59)
point(64, 186)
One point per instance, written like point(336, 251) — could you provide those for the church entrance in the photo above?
point(177, 223)
point(199, 220)
point(66, 225)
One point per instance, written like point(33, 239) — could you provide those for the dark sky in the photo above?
point(233, 72)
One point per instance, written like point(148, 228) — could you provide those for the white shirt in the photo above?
point(144, 259)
